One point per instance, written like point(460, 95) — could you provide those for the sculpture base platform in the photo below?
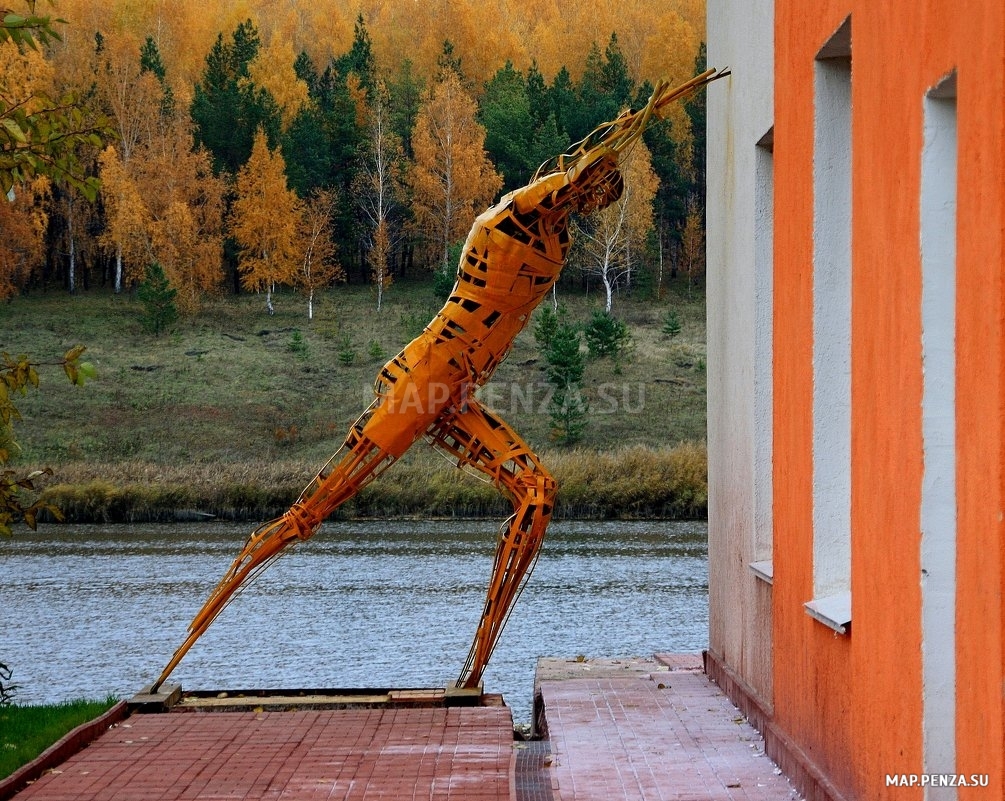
point(146, 700)
point(171, 697)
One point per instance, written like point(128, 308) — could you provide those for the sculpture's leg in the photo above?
point(412, 391)
point(357, 463)
point(480, 439)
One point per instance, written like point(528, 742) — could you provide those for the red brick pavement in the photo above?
point(619, 733)
point(619, 730)
point(456, 753)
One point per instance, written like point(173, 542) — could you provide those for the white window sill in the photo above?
point(763, 570)
point(834, 611)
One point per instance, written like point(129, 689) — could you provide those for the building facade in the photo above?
point(856, 381)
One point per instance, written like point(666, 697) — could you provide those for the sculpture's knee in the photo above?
point(536, 489)
point(302, 520)
point(547, 489)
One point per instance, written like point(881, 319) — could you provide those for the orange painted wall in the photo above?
point(811, 665)
point(979, 42)
point(853, 704)
point(887, 459)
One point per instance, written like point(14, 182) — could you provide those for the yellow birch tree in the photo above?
point(272, 69)
point(127, 219)
point(611, 241)
point(23, 223)
point(452, 178)
point(186, 202)
point(378, 186)
point(266, 220)
point(692, 243)
point(320, 266)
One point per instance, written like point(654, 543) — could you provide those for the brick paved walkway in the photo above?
point(618, 730)
point(637, 730)
point(457, 753)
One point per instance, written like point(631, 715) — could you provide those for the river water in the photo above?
point(90, 611)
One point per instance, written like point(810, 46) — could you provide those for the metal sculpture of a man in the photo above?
point(512, 257)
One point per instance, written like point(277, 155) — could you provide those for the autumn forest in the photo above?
point(251, 145)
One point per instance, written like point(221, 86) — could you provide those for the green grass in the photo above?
point(252, 404)
point(26, 731)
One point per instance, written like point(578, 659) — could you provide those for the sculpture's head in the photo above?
point(596, 182)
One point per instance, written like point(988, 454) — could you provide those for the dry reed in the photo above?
point(634, 482)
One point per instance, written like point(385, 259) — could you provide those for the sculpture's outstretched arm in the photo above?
point(480, 439)
point(621, 133)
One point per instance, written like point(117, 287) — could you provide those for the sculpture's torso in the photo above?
point(509, 263)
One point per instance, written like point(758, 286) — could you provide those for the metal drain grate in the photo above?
point(533, 771)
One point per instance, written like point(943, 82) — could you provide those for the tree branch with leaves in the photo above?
point(17, 375)
point(40, 135)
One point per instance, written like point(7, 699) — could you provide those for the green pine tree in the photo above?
point(228, 108)
point(606, 335)
point(567, 407)
point(671, 323)
point(546, 325)
point(157, 296)
point(505, 112)
point(569, 411)
point(360, 59)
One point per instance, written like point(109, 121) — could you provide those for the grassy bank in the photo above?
point(636, 481)
point(234, 410)
point(26, 731)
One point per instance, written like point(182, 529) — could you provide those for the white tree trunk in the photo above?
point(377, 201)
point(72, 277)
point(118, 268)
point(659, 273)
point(605, 276)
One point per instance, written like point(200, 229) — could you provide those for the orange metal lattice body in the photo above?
point(512, 257)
